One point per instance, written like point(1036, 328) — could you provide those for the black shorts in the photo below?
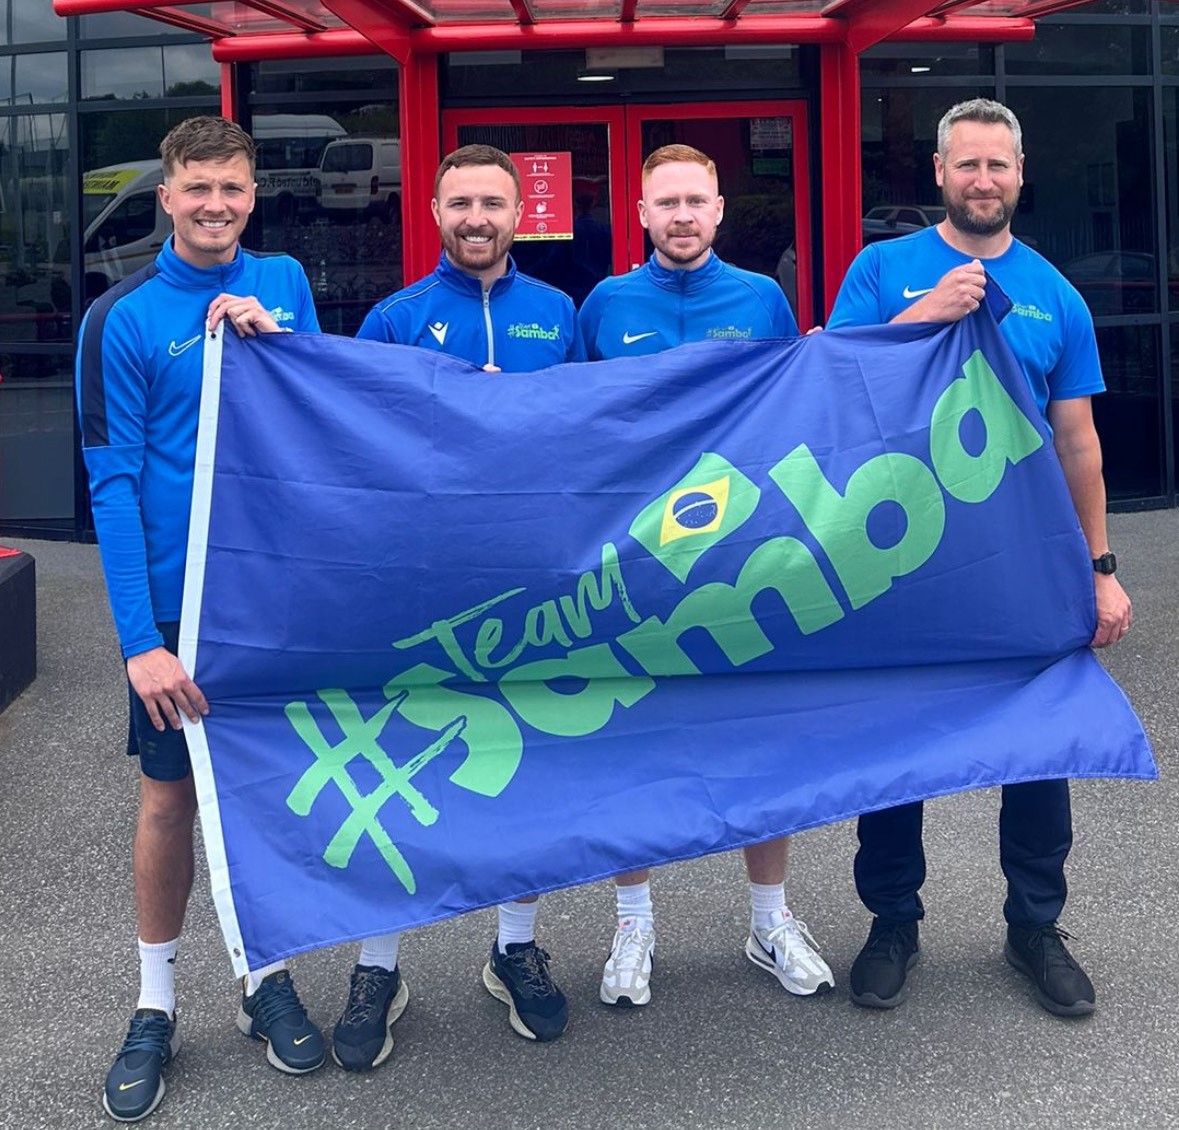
point(163, 755)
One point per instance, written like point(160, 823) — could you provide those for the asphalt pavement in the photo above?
point(720, 1046)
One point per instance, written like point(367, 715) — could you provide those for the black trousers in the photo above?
point(1035, 835)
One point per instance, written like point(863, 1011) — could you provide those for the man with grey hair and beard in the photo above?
point(940, 274)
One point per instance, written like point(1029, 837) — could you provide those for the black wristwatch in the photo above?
point(1107, 563)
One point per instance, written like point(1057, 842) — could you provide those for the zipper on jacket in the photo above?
point(487, 324)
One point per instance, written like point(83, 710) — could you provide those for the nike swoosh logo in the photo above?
point(301, 1040)
point(128, 1086)
point(176, 350)
point(916, 293)
point(629, 338)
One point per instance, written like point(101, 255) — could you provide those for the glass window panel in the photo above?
point(1082, 49)
point(37, 439)
point(127, 72)
point(37, 78)
point(689, 70)
point(122, 25)
point(189, 70)
point(1128, 414)
point(299, 76)
point(1170, 43)
point(338, 215)
point(1088, 195)
point(34, 229)
point(23, 21)
point(909, 59)
point(898, 141)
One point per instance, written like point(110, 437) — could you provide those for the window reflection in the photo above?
point(37, 440)
point(149, 72)
point(30, 23)
point(1128, 414)
point(1088, 199)
point(34, 229)
point(329, 188)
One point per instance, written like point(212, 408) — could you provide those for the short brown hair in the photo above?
point(205, 138)
point(669, 154)
point(477, 155)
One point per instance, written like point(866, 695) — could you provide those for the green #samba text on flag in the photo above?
point(677, 528)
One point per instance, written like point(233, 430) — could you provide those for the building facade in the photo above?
point(85, 100)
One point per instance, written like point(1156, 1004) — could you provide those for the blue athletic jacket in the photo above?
point(138, 383)
point(519, 324)
point(652, 309)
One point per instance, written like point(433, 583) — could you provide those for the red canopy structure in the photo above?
point(415, 32)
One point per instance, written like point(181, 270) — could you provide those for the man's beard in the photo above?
point(965, 220)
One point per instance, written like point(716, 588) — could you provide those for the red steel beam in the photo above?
point(281, 11)
point(420, 155)
point(871, 21)
point(734, 9)
point(650, 31)
point(967, 29)
point(626, 14)
point(839, 157)
point(523, 11)
point(186, 21)
point(292, 45)
point(384, 25)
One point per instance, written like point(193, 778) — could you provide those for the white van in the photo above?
point(290, 147)
point(361, 176)
point(125, 224)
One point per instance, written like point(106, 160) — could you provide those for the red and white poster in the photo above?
point(546, 181)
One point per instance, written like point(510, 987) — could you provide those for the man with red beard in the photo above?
point(940, 274)
point(686, 293)
point(478, 307)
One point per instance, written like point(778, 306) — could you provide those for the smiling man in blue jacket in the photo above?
point(685, 293)
point(476, 306)
point(139, 370)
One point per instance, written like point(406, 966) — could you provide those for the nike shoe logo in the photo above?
point(629, 339)
point(916, 293)
point(176, 350)
point(128, 1086)
point(438, 329)
point(299, 1041)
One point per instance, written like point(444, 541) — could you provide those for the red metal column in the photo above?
point(228, 93)
point(420, 154)
point(839, 177)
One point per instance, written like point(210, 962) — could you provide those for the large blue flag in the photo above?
point(467, 636)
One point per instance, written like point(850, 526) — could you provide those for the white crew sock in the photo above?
point(381, 950)
point(517, 923)
point(256, 976)
point(634, 907)
point(768, 905)
point(157, 975)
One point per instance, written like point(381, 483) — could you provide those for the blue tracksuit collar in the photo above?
point(468, 284)
point(183, 274)
point(685, 282)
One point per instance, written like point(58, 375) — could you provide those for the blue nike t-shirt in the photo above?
point(1049, 327)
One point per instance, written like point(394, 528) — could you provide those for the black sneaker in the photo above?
point(878, 973)
point(135, 1082)
point(1062, 986)
point(520, 978)
point(275, 1014)
point(363, 1037)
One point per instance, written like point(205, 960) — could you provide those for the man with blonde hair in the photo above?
point(685, 293)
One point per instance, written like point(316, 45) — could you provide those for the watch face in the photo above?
point(1107, 563)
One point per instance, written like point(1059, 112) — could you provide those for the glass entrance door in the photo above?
point(760, 150)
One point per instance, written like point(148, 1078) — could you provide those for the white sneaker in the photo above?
point(626, 979)
point(788, 951)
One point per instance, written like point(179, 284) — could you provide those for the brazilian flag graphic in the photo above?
point(705, 506)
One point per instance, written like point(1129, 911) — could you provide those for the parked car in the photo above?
point(1115, 282)
point(904, 217)
point(361, 176)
